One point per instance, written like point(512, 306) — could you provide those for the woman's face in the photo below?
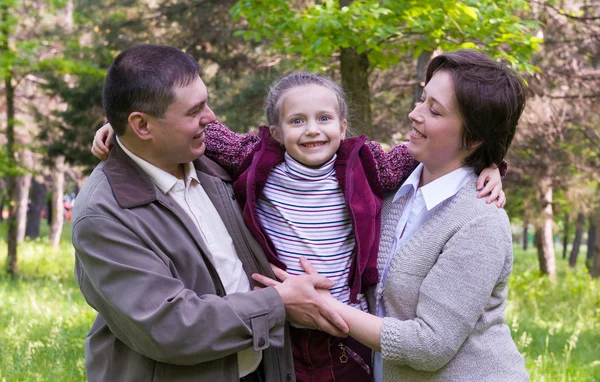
point(437, 127)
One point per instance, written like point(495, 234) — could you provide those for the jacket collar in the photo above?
point(132, 187)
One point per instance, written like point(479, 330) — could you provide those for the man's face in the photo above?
point(178, 136)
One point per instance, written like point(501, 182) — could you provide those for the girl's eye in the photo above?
point(420, 100)
point(296, 121)
point(434, 112)
point(325, 118)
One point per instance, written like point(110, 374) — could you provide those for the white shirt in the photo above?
point(189, 194)
point(421, 203)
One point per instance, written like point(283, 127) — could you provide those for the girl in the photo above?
point(307, 191)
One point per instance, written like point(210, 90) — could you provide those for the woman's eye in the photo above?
point(434, 112)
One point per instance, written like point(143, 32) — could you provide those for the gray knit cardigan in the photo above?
point(445, 295)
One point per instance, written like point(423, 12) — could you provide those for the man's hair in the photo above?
point(142, 79)
point(491, 98)
point(294, 80)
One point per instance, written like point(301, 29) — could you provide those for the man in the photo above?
point(161, 249)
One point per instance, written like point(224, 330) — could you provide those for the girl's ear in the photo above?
point(276, 134)
point(343, 128)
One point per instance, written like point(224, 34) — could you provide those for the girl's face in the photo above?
point(311, 128)
point(437, 127)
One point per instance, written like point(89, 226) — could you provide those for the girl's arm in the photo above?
point(227, 148)
point(395, 165)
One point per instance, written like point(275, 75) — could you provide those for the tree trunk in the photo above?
point(422, 62)
point(577, 240)
point(11, 260)
point(595, 250)
point(591, 244)
point(354, 68)
point(565, 242)
point(38, 201)
point(1, 209)
point(58, 180)
point(525, 233)
point(545, 245)
point(22, 200)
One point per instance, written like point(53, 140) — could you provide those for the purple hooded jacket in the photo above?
point(364, 172)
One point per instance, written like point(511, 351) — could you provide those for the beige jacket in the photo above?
point(162, 311)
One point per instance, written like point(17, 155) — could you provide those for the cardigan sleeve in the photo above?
point(473, 266)
point(229, 149)
point(393, 166)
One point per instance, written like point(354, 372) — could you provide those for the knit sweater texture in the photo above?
point(445, 295)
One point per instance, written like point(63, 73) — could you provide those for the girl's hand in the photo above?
point(490, 184)
point(101, 143)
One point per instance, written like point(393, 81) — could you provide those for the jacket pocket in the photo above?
point(349, 354)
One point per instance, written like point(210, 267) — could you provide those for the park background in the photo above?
point(54, 55)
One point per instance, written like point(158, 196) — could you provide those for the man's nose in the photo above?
point(208, 116)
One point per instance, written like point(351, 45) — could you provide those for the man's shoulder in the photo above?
point(95, 193)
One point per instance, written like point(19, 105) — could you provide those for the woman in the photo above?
point(445, 256)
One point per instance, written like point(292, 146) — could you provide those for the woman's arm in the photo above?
point(227, 148)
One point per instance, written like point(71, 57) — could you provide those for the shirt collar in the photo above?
point(163, 180)
point(445, 187)
point(411, 183)
point(304, 172)
point(437, 191)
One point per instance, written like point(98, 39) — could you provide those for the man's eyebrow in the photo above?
point(197, 106)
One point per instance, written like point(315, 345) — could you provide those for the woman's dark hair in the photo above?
point(491, 98)
point(142, 79)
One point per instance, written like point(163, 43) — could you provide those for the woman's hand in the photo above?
point(102, 140)
point(490, 184)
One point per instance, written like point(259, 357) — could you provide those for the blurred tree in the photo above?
point(38, 203)
point(553, 141)
point(361, 36)
point(577, 240)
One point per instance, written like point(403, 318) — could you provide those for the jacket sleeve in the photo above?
point(147, 307)
point(227, 148)
point(393, 166)
point(473, 266)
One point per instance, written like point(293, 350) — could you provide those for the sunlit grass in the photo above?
point(556, 327)
point(43, 316)
point(44, 319)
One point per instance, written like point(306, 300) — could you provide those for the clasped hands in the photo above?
point(307, 299)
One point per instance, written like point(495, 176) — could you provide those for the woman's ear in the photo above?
point(276, 134)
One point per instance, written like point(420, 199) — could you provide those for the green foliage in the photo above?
point(385, 30)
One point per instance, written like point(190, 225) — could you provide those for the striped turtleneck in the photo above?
point(303, 212)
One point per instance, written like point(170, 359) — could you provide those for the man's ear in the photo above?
point(141, 125)
point(276, 134)
point(344, 128)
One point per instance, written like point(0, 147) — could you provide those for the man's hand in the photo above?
point(102, 139)
point(304, 305)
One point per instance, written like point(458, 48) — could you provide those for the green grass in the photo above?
point(44, 319)
point(556, 327)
